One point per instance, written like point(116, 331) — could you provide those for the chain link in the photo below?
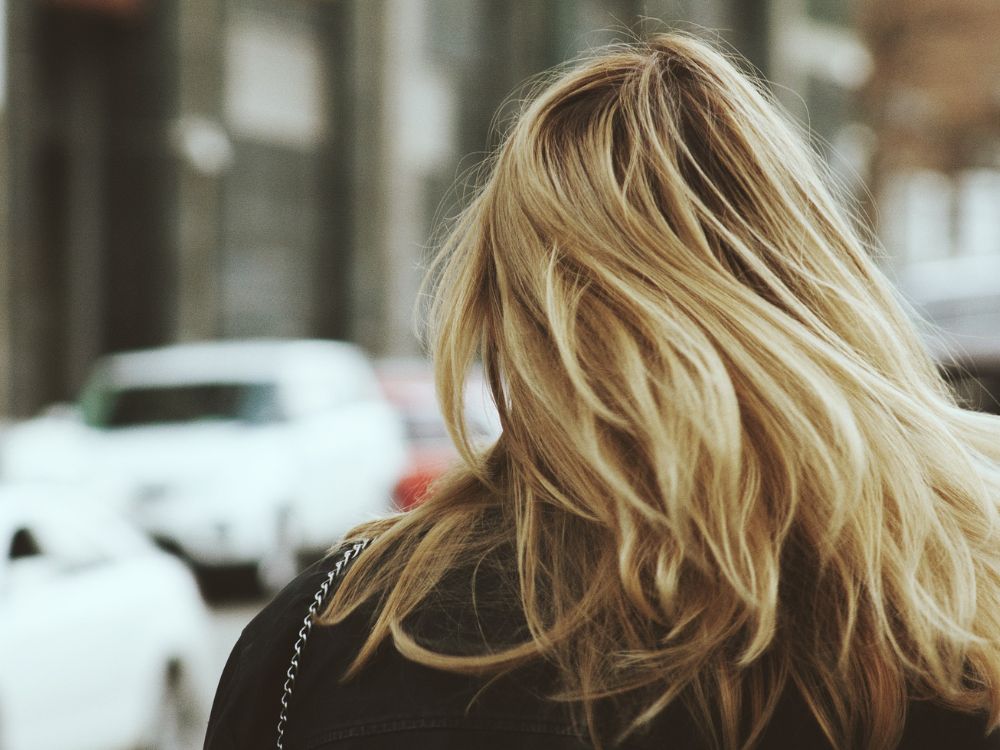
point(293, 668)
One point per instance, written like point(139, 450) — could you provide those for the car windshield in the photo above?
point(254, 403)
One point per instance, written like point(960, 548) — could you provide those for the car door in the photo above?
point(61, 641)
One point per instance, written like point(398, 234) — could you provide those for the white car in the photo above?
point(102, 636)
point(257, 453)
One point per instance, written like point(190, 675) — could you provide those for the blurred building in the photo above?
point(165, 167)
point(188, 169)
point(935, 109)
point(818, 65)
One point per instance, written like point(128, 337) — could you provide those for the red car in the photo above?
point(409, 386)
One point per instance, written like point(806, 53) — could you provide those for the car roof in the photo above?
point(52, 503)
point(32, 500)
point(238, 361)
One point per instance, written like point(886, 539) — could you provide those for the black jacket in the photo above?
point(395, 704)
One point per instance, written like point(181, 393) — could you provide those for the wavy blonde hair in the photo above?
point(728, 467)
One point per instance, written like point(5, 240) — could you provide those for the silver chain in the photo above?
point(293, 668)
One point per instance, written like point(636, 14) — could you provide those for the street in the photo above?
point(229, 616)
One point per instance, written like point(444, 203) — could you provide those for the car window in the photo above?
point(252, 403)
point(23, 544)
point(28, 563)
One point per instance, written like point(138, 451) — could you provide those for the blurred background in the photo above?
point(215, 217)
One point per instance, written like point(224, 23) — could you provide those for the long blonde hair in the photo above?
point(728, 468)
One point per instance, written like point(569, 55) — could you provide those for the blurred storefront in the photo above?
point(818, 66)
point(432, 76)
point(934, 104)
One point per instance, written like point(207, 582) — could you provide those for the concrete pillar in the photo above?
point(371, 164)
point(333, 292)
point(85, 233)
point(6, 349)
point(203, 152)
point(21, 336)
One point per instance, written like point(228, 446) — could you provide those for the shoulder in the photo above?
point(390, 699)
point(390, 703)
point(393, 702)
point(930, 726)
point(248, 699)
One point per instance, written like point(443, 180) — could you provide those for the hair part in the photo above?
point(728, 468)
